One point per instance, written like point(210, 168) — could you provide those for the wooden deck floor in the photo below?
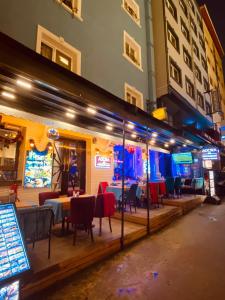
point(159, 217)
point(67, 259)
point(186, 202)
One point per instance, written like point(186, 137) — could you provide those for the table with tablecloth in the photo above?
point(117, 190)
point(61, 207)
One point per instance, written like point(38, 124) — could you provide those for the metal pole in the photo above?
point(147, 186)
point(123, 198)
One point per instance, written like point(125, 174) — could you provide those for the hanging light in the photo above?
point(70, 115)
point(24, 84)
point(50, 147)
point(8, 95)
point(154, 134)
point(166, 145)
point(32, 144)
point(172, 141)
point(133, 135)
point(91, 110)
point(109, 127)
point(184, 145)
point(130, 126)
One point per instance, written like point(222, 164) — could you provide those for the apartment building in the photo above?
point(214, 54)
point(106, 42)
point(181, 66)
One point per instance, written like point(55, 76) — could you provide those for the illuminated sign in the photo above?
point(210, 153)
point(102, 162)
point(13, 256)
point(160, 113)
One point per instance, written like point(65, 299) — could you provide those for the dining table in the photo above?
point(117, 190)
point(61, 206)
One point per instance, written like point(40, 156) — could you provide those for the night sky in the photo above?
point(216, 10)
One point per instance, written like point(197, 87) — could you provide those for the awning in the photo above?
point(56, 90)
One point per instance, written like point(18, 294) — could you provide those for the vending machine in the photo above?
point(14, 262)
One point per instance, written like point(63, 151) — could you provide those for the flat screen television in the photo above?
point(13, 256)
point(182, 158)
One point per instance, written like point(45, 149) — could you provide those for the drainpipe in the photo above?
point(150, 55)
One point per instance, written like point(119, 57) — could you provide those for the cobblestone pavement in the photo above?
point(185, 261)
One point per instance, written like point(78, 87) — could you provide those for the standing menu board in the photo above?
point(13, 256)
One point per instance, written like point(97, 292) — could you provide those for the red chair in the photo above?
point(13, 191)
point(102, 187)
point(155, 193)
point(70, 192)
point(82, 213)
point(46, 196)
point(105, 208)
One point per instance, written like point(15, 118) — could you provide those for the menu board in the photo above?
point(10, 291)
point(13, 257)
point(38, 169)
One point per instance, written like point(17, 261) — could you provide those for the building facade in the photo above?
point(180, 59)
point(215, 55)
point(110, 44)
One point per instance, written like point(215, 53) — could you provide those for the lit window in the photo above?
point(133, 96)
point(172, 8)
point(185, 30)
point(72, 6)
point(132, 8)
point(198, 74)
point(175, 72)
point(190, 88)
point(184, 7)
point(187, 58)
point(56, 49)
point(195, 48)
point(132, 51)
point(200, 100)
point(172, 37)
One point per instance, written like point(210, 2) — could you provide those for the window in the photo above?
point(184, 7)
point(190, 88)
point(72, 6)
point(132, 51)
point(204, 63)
point(172, 37)
point(198, 74)
point(133, 96)
point(206, 84)
point(201, 41)
point(187, 58)
point(199, 20)
point(56, 49)
point(175, 72)
point(191, 6)
point(208, 108)
point(208, 59)
point(193, 26)
point(185, 30)
point(132, 8)
point(195, 48)
point(172, 8)
point(200, 100)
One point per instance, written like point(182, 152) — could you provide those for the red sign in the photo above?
point(102, 162)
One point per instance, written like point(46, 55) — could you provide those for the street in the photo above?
point(184, 261)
